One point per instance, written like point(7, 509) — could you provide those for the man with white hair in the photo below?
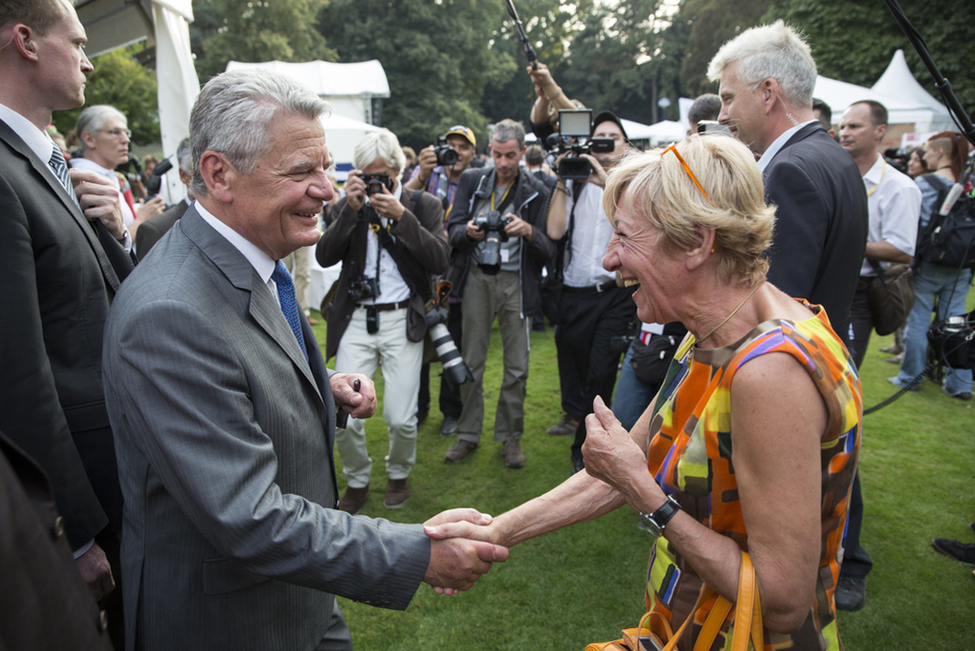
point(225, 414)
point(389, 243)
point(767, 76)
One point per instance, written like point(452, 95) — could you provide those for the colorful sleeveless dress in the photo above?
point(690, 457)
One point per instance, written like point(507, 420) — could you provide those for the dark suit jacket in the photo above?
point(44, 603)
point(224, 434)
point(821, 223)
point(59, 273)
point(420, 249)
point(155, 227)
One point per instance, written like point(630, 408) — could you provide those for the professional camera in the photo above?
point(376, 182)
point(453, 364)
point(446, 155)
point(363, 288)
point(493, 223)
point(577, 125)
point(953, 341)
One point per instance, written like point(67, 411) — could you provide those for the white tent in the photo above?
point(897, 81)
point(112, 24)
point(662, 132)
point(341, 135)
point(840, 95)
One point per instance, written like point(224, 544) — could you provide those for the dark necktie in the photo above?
point(61, 171)
point(289, 304)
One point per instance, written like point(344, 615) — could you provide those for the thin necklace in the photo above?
point(733, 312)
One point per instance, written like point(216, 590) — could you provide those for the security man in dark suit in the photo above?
point(63, 254)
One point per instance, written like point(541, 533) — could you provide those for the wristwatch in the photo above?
point(657, 521)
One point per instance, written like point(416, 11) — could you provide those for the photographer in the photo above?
point(497, 231)
point(389, 243)
point(594, 312)
point(438, 171)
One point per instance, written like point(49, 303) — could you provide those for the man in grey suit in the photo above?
point(61, 262)
point(155, 227)
point(225, 414)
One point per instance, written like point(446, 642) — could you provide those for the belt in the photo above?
point(592, 289)
point(386, 307)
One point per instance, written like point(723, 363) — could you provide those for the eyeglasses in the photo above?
point(117, 133)
point(673, 148)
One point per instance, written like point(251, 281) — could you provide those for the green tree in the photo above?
point(255, 30)
point(437, 56)
point(854, 40)
point(713, 23)
point(119, 80)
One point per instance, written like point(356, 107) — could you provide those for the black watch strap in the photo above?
point(657, 521)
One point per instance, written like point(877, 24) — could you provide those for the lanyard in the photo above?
point(882, 170)
point(503, 196)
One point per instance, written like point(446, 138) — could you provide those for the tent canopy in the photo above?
point(362, 79)
point(898, 81)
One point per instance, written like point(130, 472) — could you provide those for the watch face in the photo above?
point(647, 524)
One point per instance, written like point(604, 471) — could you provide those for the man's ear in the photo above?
point(23, 39)
point(701, 249)
point(770, 93)
point(218, 175)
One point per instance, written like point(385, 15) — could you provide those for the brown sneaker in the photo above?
point(397, 492)
point(513, 456)
point(353, 499)
point(459, 450)
point(568, 425)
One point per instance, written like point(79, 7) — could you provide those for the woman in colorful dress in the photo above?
point(753, 446)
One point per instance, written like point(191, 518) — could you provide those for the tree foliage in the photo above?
point(255, 30)
point(854, 40)
point(119, 80)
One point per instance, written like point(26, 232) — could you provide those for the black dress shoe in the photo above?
point(961, 552)
point(851, 593)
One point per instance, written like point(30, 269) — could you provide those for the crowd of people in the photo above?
point(168, 422)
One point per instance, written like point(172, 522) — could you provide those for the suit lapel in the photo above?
point(43, 169)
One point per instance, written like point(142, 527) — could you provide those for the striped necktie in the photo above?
point(289, 303)
point(61, 171)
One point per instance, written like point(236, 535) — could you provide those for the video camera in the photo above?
point(493, 223)
point(376, 182)
point(446, 155)
point(577, 125)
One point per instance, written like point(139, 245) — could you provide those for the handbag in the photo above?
point(891, 296)
point(654, 632)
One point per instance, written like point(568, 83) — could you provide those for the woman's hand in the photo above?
point(610, 453)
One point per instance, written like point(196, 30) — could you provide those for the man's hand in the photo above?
point(387, 205)
point(456, 563)
point(96, 571)
point(355, 191)
point(99, 200)
point(359, 403)
point(518, 227)
point(598, 174)
point(427, 160)
point(474, 232)
point(150, 208)
point(542, 78)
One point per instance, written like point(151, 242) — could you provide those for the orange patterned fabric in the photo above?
point(690, 457)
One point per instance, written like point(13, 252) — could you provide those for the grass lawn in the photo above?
point(585, 583)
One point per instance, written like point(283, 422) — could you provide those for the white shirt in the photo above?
point(778, 144)
point(392, 287)
point(591, 232)
point(261, 261)
point(894, 201)
point(91, 166)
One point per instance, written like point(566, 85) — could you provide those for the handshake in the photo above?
point(463, 547)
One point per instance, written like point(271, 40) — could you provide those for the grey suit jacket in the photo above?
point(224, 435)
point(59, 272)
point(155, 227)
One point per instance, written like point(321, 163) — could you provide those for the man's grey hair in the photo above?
point(234, 111)
point(508, 129)
point(184, 156)
point(775, 51)
point(382, 144)
point(93, 119)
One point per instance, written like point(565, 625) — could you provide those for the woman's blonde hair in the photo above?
point(654, 185)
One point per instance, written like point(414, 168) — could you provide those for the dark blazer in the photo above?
point(44, 603)
point(821, 223)
point(420, 249)
point(224, 434)
point(59, 274)
point(530, 203)
point(155, 227)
